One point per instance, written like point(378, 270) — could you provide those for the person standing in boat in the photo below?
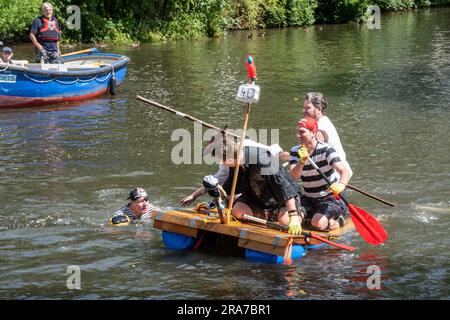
point(267, 190)
point(320, 202)
point(45, 35)
point(315, 107)
point(139, 208)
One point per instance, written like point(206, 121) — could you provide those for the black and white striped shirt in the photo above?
point(146, 216)
point(324, 156)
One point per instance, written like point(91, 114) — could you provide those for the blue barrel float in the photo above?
point(176, 241)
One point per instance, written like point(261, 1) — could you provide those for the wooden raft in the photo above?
point(251, 236)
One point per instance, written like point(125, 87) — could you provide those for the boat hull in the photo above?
point(24, 87)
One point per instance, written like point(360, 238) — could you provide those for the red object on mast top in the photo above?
point(251, 68)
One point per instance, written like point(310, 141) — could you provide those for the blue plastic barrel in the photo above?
point(257, 256)
point(176, 241)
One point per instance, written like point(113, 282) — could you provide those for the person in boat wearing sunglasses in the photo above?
point(45, 34)
point(323, 208)
point(139, 208)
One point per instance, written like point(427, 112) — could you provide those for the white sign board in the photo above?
point(248, 93)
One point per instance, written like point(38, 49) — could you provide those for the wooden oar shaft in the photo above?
point(324, 177)
point(77, 52)
point(371, 231)
point(184, 115)
point(351, 187)
point(238, 160)
point(370, 195)
point(305, 233)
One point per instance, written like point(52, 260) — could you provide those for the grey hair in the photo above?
point(318, 100)
point(46, 4)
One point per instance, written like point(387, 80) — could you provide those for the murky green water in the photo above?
point(64, 169)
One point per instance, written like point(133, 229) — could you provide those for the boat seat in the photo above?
point(84, 66)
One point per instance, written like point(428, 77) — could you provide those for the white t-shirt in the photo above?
point(326, 125)
point(222, 174)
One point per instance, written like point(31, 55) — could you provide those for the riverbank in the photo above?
point(128, 22)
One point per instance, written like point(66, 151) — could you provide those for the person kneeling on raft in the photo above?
point(267, 190)
point(321, 203)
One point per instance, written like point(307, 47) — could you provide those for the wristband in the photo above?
point(292, 213)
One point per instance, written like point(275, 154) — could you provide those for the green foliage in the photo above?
point(126, 21)
point(395, 5)
point(243, 14)
point(274, 13)
point(16, 18)
point(300, 12)
point(341, 11)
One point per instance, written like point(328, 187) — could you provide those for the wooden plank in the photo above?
point(171, 227)
point(191, 219)
point(263, 247)
point(235, 229)
point(251, 232)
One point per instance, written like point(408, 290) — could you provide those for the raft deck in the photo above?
point(251, 236)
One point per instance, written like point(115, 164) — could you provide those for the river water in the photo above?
point(66, 168)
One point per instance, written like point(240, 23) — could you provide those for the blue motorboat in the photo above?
point(82, 76)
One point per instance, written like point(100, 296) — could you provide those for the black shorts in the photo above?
point(329, 206)
point(270, 214)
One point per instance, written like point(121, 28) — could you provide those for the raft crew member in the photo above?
point(315, 107)
point(45, 34)
point(319, 201)
point(267, 190)
point(222, 173)
point(139, 207)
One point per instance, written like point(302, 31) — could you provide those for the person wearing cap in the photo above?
point(45, 34)
point(139, 208)
point(7, 55)
point(315, 107)
point(319, 200)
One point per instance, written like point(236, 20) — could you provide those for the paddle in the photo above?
point(278, 226)
point(79, 52)
point(360, 191)
point(367, 226)
point(370, 195)
point(184, 115)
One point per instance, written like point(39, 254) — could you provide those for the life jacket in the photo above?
point(49, 30)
